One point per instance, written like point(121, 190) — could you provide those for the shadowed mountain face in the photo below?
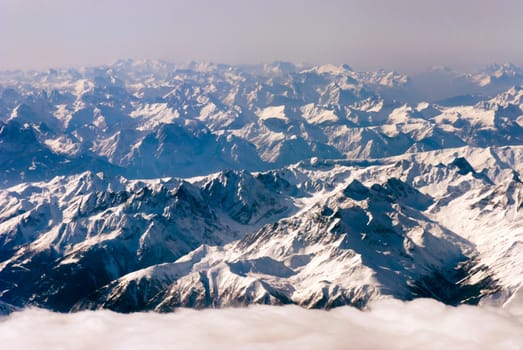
point(145, 186)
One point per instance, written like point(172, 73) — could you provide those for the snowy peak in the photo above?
point(133, 117)
point(247, 198)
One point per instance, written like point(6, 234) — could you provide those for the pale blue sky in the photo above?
point(367, 34)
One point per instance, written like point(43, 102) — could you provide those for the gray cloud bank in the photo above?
point(421, 324)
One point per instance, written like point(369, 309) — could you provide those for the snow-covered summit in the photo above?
point(131, 116)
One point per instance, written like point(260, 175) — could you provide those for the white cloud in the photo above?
point(421, 324)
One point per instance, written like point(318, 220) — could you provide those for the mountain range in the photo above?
point(147, 185)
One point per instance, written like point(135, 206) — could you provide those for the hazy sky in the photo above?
point(401, 34)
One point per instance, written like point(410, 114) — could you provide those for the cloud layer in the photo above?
point(421, 324)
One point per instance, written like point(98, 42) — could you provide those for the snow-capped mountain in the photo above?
point(150, 119)
point(146, 185)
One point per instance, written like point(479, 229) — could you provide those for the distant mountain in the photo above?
point(129, 117)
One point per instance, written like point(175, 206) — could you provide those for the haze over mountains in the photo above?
point(146, 185)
